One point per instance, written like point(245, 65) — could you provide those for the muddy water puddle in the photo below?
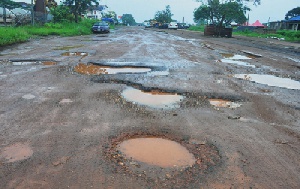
point(153, 98)
point(49, 63)
point(157, 151)
point(74, 54)
point(16, 152)
point(220, 103)
point(236, 59)
point(270, 80)
point(92, 69)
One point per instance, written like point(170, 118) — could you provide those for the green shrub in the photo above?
point(10, 35)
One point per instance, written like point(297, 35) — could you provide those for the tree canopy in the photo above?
point(219, 13)
point(128, 19)
point(78, 7)
point(9, 4)
point(292, 13)
point(164, 16)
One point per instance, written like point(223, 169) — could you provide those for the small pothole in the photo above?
point(221, 103)
point(74, 54)
point(49, 63)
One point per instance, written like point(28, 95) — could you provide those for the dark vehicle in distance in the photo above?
point(100, 27)
point(183, 26)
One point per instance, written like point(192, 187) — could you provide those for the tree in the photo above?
point(164, 16)
point(78, 7)
point(292, 13)
point(61, 13)
point(8, 4)
point(128, 19)
point(110, 14)
point(219, 13)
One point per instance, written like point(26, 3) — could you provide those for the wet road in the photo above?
point(67, 104)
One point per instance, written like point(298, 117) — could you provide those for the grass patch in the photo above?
point(196, 28)
point(11, 35)
point(287, 35)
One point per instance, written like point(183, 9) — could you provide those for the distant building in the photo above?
point(96, 12)
point(291, 24)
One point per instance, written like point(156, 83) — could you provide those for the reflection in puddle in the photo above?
point(235, 56)
point(157, 151)
point(98, 70)
point(154, 99)
point(270, 80)
point(234, 59)
point(74, 54)
point(231, 61)
point(220, 103)
point(16, 152)
point(23, 63)
point(49, 63)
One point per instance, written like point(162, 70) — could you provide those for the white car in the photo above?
point(173, 25)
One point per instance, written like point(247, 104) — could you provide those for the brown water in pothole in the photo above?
point(74, 54)
point(270, 80)
point(220, 103)
point(98, 70)
point(157, 151)
point(16, 152)
point(49, 63)
point(154, 99)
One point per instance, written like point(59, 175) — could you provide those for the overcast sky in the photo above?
point(146, 9)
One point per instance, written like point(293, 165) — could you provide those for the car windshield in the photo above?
point(101, 24)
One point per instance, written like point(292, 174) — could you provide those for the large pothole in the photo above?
point(91, 69)
point(157, 151)
point(270, 80)
point(161, 158)
point(152, 98)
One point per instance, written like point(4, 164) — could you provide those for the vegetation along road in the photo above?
point(147, 108)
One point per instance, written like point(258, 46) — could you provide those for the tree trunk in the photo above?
point(4, 15)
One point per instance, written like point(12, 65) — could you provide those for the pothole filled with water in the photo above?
point(236, 59)
point(220, 103)
point(92, 69)
point(152, 98)
point(74, 54)
point(24, 63)
point(161, 158)
point(49, 63)
point(270, 80)
point(157, 151)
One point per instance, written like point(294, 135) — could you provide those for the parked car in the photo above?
point(173, 25)
point(100, 27)
point(182, 26)
point(163, 26)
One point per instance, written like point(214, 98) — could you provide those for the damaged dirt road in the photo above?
point(150, 108)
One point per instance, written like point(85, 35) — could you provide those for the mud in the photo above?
point(72, 129)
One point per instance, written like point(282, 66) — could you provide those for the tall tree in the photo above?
point(226, 12)
point(128, 19)
point(79, 7)
point(164, 16)
point(292, 13)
